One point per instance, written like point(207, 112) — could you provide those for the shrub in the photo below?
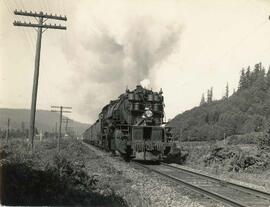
point(63, 181)
point(264, 142)
point(250, 138)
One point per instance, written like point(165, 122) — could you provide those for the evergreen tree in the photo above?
point(256, 72)
point(226, 92)
point(211, 94)
point(248, 76)
point(268, 77)
point(202, 100)
point(208, 96)
point(243, 80)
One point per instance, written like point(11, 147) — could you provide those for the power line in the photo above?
point(63, 6)
point(42, 6)
point(40, 27)
point(29, 42)
point(25, 33)
point(206, 44)
point(247, 35)
point(6, 5)
point(16, 3)
point(47, 5)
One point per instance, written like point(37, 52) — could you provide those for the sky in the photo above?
point(182, 46)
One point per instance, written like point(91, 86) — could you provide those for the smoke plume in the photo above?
point(105, 64)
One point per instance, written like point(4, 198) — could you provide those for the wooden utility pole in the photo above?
point(23, 129)
point(67, 121)
point(7, 131)
point(60, 109)
point(41, 18)
point(56, 130)
point(67, 124)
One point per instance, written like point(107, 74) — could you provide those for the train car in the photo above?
point(133, 126)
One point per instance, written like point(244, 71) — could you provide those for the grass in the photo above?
point(50, 178)
point(245, 163)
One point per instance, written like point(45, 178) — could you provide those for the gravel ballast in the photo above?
point(139, 187)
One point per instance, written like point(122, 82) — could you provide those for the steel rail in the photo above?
point(210, 194)
point(213, 195)
point(223, 182)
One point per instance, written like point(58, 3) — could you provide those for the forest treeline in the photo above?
point(247, 110)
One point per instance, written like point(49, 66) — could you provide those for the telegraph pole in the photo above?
point(60, 109)
point(67, 124)
point(39, 26)
point(56, 130)
point(67, 121)
point(7, 132)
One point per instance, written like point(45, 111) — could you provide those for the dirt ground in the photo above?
point(110, 179)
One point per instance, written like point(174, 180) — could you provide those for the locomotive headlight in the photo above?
point(148, 113)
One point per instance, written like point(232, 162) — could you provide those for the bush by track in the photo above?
point(49, 178)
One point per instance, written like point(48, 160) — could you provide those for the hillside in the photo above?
point(245, 111)
point(45, 120)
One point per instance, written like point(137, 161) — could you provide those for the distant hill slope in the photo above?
point(246, 111)
point(45, 120)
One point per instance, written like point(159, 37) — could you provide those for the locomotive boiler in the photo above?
point(133, 126)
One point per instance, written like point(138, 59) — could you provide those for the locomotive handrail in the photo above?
point(122, 120)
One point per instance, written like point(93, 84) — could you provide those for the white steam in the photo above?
point(145, 83)
point(105, 63)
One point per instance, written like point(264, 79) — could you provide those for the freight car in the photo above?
point(133, 126)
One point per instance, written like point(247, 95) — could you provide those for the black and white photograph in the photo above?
point(132, 103)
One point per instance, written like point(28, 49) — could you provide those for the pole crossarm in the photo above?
point(54, 111)
point(67, 120)
point(40, 14)
point(64, 107)
point(40, 27)
point(47, 26)
point(61, 111)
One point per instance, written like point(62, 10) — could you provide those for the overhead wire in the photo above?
point(28, 31)
point(7, 7)
point(31, 33)
point(63, 6)
point(206, 44)
point(12, 5)
point(64, 34)
point(244, 38)
point(37, 7)
point(45, 5)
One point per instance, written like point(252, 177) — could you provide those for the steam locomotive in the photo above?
point(133, 126)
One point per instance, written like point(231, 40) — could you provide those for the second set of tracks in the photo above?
point(228, 193)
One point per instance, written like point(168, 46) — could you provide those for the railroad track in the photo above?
point(226, 192)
